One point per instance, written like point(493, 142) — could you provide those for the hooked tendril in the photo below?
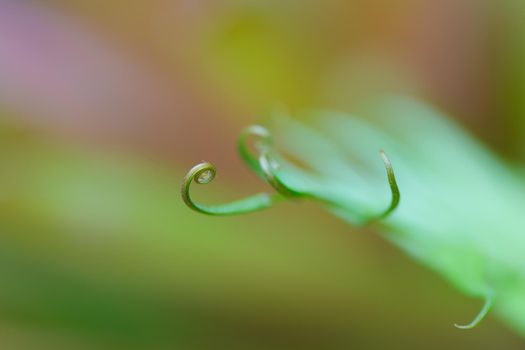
point(269, 167)
point(264, 164)
point(489, 300)
point(394, 189)
point(262, 145)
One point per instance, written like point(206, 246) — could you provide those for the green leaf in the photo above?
point(461, 206)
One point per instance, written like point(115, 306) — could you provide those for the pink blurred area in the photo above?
point(66, 75)
point(150, 74)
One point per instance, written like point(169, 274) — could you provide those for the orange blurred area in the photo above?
point(104, 105)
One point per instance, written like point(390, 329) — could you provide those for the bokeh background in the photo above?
point(105, 104)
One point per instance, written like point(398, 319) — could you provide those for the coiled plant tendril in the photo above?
point(265, 166)
point(204, 173)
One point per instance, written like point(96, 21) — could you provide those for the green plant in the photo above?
point(266, 166)
point(461, 208)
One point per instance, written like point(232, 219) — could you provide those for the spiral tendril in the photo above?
point(204, 173)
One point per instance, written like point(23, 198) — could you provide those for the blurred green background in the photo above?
point(104, 105)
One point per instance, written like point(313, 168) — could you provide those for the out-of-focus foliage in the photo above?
point(461, 207)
